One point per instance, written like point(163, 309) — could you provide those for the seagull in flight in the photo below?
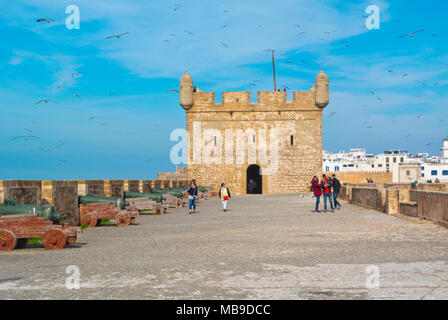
point(56, 148)
point(177, 7)
point(45, 20)
point(25, 138)
point(76, 95)
point(45, 101)
point(77, 74)
point(173, 91)
point(410, 34)
point(224, 45)
point(117, 35)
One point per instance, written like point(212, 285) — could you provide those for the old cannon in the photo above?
point(158, 197)
point(168, 191)
point(93, 209)
point(18, 223)
point(91, 198)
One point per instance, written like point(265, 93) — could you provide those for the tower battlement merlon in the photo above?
point(235, 97)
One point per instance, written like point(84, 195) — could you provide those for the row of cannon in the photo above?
point(20, 222)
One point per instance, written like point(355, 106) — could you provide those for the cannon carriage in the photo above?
point(93, 209)
point(18, 223)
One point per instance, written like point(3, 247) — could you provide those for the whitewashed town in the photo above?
point(405, 167)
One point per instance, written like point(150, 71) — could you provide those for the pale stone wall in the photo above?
point(297, 163)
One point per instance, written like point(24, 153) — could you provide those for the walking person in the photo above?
point(336, 188)
point(251, 186)
point(224, 195)
point(192, 195)
point(326, 187)
point(317, 190)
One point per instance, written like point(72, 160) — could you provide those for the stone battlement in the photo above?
point(302, 100)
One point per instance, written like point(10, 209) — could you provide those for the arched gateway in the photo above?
point(254, 172)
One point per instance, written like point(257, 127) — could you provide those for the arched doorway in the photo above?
point(254, 173)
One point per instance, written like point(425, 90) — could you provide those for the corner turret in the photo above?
point(186, 91)
point(322, 90)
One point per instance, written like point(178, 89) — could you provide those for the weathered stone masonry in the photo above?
point(298, 123)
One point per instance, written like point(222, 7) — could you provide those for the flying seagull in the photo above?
point(76, 95)
point(55, 149)
point(410, 34)
point(189, 32)
point(25, 138)
point(45, 101)
point(224, 45)
point(117, 35)
point(77, 74)
point(177, 7)
point(173, 91)
point(46, 20)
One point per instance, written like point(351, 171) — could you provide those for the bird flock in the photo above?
point(300, 62)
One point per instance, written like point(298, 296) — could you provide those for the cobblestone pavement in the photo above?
point(264, 247)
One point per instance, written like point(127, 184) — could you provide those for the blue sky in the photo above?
point(125, 115)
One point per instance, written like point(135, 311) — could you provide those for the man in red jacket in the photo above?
point(316, 188)
point(326, 187)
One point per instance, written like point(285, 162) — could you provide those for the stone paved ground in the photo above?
point(266, 247)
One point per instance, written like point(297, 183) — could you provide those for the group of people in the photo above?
point(329, 187)
point(223, 194)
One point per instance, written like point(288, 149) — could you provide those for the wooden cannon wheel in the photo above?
point(21, 243)
point(54, 239)
point(122, 219)
point(90, 220)
point(8, 240)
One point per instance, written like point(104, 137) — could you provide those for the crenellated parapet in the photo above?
point(315, 99)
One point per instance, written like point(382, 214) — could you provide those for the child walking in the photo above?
point(224, 195)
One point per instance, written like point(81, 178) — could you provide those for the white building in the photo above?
point(404, 166)
point(360, 160)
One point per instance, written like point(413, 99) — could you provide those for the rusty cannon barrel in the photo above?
point(158, 197)
point(90, 198)
point(10, 207)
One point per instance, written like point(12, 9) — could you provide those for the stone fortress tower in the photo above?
point(275, 142)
